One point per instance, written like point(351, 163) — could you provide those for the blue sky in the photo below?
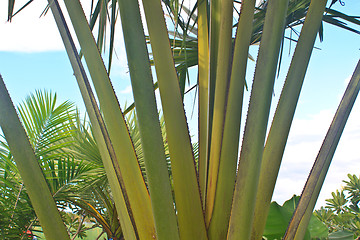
point(32, 57)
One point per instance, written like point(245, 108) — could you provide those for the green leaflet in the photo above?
point(29, 169)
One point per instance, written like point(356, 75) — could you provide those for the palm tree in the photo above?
point(71, 162)
point(220, 197)
point(56, 134)
point(49, 127)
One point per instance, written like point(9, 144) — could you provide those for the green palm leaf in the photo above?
point(29, 169)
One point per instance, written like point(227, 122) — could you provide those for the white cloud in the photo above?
point(127, 90)
point(28, 32)
point(304, 142)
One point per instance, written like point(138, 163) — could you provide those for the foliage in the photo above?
point(279, 216)
point(219, 196)
point(47, 125)
point(78, 224)
point(74, 169)
point(341, 212)
point(69, 158)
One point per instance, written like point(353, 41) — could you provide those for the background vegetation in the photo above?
point(341, 213)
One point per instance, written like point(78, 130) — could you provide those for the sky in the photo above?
point(32, 57)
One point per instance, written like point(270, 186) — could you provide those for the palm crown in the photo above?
point(220, 197)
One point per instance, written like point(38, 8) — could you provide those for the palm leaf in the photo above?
point(29, 169)
point(280, 126)
point(312, 188)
